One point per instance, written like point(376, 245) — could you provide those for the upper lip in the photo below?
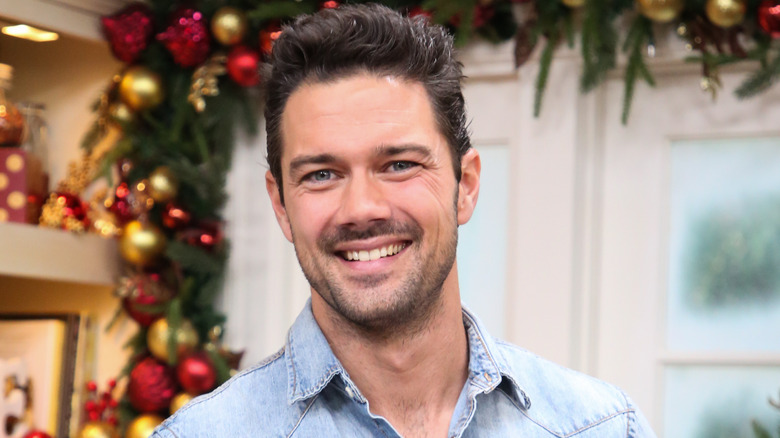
point(369, 244)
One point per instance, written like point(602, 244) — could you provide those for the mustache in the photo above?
point(384, 228)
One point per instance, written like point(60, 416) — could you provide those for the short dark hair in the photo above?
point(337, 43)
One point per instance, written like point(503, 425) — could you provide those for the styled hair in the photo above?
point(352, 39)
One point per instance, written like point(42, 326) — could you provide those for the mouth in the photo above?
point(365, 255)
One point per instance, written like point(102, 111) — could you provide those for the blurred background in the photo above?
point(646, 254)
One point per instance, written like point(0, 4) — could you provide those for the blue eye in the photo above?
point(400, 166)
point(319, 175)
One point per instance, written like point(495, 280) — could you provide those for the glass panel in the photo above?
point(720, 402)
point(724, 273)
point(482, 243)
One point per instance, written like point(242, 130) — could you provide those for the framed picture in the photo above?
point(38, 368)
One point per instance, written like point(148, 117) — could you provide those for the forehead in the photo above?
point(357, 113)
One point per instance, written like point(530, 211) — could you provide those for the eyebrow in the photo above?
point(391, 150)
point(304, 160)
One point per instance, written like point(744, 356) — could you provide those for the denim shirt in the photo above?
point(303, 391)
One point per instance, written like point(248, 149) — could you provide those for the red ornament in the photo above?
point(331, 4)
point(196, 373)
point(175, 217)
point(152, 386)
point(242, 66)
point(418, 11)
point(121, 206)
point(187, 37)
point(143, 295)
point(268, 37)
point(482, 14)
point(208, 235)
point(37, 434)
point(129, 31)
point(769, 17)
point(73, 207)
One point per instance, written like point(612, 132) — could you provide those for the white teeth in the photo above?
point(374, 254)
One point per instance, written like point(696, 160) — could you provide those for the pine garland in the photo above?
point(193, 137)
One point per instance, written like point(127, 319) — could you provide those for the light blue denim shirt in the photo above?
point(303, 391)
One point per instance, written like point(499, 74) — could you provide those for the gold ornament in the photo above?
point(141, 244)
point(163, 184)
point(159, 333)
point(228, 25)
point(661, 11)
point(179, 401)
point(141, 88)
point(725, 13)
point(121, 113)
point(574, 3)
point(143, 425)
point(98, 429)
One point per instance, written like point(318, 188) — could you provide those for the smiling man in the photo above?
point(371, 173)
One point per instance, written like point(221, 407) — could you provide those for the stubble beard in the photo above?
point(405, 311)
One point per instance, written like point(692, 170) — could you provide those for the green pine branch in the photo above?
point(761, 80)
point(636, 41)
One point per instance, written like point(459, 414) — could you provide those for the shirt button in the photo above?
point(349, 392)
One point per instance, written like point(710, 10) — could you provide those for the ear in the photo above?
point(278, 206)
point(468, 188)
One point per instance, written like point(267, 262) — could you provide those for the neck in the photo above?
point(412, 377)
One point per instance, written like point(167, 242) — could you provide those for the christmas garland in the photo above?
point(163, 139)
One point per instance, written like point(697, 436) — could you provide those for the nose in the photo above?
point(363, 201)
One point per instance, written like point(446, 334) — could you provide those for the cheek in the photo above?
point(310, 216)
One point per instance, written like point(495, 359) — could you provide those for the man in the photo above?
point(371, 173)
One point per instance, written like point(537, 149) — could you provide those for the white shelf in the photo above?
point(79, 18)
point(39, 253)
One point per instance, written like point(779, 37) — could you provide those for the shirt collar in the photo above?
point(488, 368)
point(311, 364)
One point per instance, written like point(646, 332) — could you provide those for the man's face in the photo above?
point(370, 198)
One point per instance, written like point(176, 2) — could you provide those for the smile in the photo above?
point(373, 254)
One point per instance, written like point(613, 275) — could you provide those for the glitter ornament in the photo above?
point(152, 386)
point(143, 297)
point(228, 25)
point(121, 205)
point(129, 31)
point(187, 37)
point(242, 66)
point(769, 17)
